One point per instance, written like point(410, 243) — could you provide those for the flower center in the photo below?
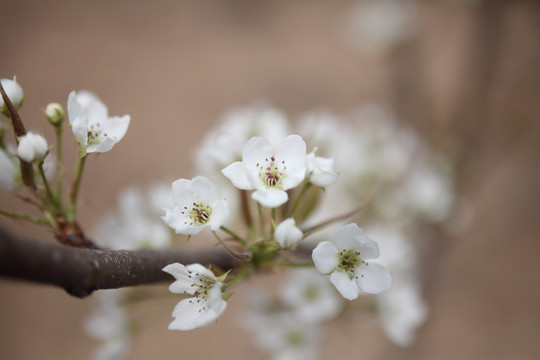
point(270, 174)
point(349, 260)
point(200, 214)
point(95, 135)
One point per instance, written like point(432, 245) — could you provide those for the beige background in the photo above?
point(469, 82)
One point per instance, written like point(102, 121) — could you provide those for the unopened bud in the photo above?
point(55, 113)
point(14, 92)
point(32, 147)
point(287, 235)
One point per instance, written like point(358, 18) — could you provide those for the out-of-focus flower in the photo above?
point(91, 124)
point(207, 304)
point(402, 310)
point(319, 170)
point(280, 333)
point(377, 25)
point(14, 92)
point(135, 225)
point(287, 235)
point(346, 260)
point(268, 171)
point(311, 297)
point(199, 204)
point(32, 147)
point(224, 145)
point(10, 176)
point(109, 323)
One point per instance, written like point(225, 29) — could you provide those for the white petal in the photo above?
point(181, 192)
point(186, 313)
point(292, 150)
point(270, 197)
point(198, 269)
point(116, 127)
point(204, 190)
point(237, 174)
point(351, 237)
point(346, 287)
point(220, 213)
point(325, 257)
point(373, 278)
point(256, 150)
point(183, 282)
point(104, 146)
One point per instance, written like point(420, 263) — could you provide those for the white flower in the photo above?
point(319, 170)
point(284, 336)
point(207, 304)
point(109, 323)
point(312, 298)
point(268, 171)
point(10, 176)
point(402, 310)
point(198, 205)
point(287, 235)
point(135, 225)
point(224, 145)
point(91, 124)
point(13, 91)
point(32, 147)
point(346, 260)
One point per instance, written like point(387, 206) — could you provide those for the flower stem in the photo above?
point(50, 195)
point(299, 198)
point(59, 164)
point(76, 186)
point(234, 235)
point(262, 223)
point(25, 217)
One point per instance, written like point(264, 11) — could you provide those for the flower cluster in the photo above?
point(272, 196)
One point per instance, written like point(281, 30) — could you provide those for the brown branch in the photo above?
point(80, 271)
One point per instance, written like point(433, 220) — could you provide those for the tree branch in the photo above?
point(80, 271)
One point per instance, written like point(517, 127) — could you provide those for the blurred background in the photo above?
point(463, 74)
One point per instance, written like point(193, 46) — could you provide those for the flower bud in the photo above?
point(287, 235)
point(32, 147)
point(14, 92)
point(55, 113)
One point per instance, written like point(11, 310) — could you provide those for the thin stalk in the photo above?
point(233, 252)
point(234, 235)
point(59, 164)
point(24, 217)
point(76, 186)
point(299, 198)
point(261, 221)
point(50, 195)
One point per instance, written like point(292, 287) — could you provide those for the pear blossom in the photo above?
point(402, 310)
point(135, 225)
point(199, 204)
point(311, 298)
point(10, 176)
point(283, 336)
point(269, 171)
point(109, 323)
point(347, 260)
point(319, 170)
point(207, 304)
point(287, 235)
point(32, 147)
point(14, 92)
point(224, 145)
point(91, 124)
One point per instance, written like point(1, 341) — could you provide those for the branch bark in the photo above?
point(80, 271)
